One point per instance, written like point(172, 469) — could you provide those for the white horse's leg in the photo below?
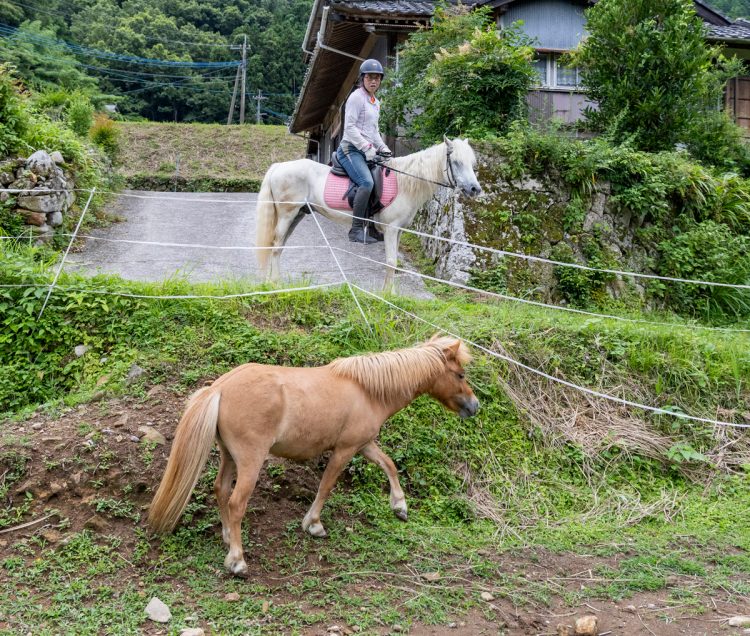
point(391, 256)
point(288, 219)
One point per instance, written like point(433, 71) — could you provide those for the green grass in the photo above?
point(670, 524)
point(202, 157)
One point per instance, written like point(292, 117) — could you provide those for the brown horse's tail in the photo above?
point(193, 441)
point(266, 220)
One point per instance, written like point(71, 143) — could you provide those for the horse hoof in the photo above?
point(317, 530)
point(401, 514)
point(238, 568)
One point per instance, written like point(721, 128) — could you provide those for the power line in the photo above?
point(10, 31)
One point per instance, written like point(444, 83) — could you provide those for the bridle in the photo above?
point(448, 170)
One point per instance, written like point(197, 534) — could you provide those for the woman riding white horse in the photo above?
point(361, 143)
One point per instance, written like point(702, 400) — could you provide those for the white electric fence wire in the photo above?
point(62, 261)
point(539, 259)
point(537, 303)
point(453, 241)
point(270, 292)
point(571, 385)
point(341, 269)
point(239, 248)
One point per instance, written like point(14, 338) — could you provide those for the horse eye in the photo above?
point(461, 376)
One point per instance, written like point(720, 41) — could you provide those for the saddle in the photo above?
point(374, 205)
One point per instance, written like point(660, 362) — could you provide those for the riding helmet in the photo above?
point(371, 66)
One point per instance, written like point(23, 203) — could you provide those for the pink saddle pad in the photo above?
point(336, 187)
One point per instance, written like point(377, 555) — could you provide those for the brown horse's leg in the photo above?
point(248, 467)
point(398, 503)
point(223, 488)
point(339, 459)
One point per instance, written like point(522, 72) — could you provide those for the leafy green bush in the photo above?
point(711, 252)
point(79, 115)
point(654, 90)
point(14, 120)
point(105, 134)
point(660, 195)
point(463, 76)
point(716, 140)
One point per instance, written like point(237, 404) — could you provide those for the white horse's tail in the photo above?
point(266, 220)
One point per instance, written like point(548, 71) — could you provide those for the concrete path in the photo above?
point(220, 220)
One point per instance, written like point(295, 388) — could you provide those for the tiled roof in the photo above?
point(385, 8)
point(739, 30)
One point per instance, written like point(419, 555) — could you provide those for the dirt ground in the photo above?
point(105, 433)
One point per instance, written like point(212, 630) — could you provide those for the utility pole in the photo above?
point(244, 79)
point(234, 95)
point(258, 98)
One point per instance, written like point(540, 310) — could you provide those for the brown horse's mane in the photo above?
point(402, 372)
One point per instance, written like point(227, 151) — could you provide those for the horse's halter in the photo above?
point(449, 168)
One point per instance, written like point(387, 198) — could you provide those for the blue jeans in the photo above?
point(353, 161)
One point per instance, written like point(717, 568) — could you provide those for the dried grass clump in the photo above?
point(565, 415)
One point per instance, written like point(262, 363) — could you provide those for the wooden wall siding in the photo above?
point(738, 101)
point(554, 24)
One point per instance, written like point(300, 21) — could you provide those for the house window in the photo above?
point(553, 74)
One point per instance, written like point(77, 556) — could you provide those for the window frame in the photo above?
point(552, 64)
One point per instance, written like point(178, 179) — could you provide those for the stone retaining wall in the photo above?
point(530, 216)
point(47, 191)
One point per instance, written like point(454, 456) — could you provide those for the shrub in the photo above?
point(655, 89)
point(463, 76)
point(14, 120)
point(79, 115)
point(105, 134)
point(708, 251)
point(716, 140)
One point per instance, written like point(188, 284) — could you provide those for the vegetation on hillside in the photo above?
point(693, 221)
point(540, 471)
point(732, 8)
point(202, 157)
point(60, 122)
point(103, 47)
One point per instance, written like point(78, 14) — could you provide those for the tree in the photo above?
point(41, 63)
point(647, 65)
point(732, 8)
point(462, 76)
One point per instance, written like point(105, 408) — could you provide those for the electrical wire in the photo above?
point(10, 31)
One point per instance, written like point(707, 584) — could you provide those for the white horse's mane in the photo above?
point(429, 164)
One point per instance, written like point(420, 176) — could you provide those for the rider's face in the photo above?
point(371, 82)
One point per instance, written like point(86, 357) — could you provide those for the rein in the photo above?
point(448, 171)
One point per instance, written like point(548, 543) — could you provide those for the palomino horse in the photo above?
point(299, 413)
point(418, 177)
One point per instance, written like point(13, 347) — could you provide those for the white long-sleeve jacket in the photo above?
point(361, 121)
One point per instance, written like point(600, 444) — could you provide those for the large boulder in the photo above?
point(40, 163)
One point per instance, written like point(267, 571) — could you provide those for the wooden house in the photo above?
point(341, 33)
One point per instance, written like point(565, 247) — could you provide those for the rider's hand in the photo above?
point(385, 152)
point(370, 153)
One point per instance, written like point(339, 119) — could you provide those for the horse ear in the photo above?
point(452, 350)
point(448, 142)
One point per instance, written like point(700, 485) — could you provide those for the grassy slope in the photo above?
point(646, 527)
point(210, 156)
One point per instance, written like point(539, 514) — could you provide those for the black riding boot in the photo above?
point(357, 234)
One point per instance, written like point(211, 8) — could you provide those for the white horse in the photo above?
point(419, 175)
